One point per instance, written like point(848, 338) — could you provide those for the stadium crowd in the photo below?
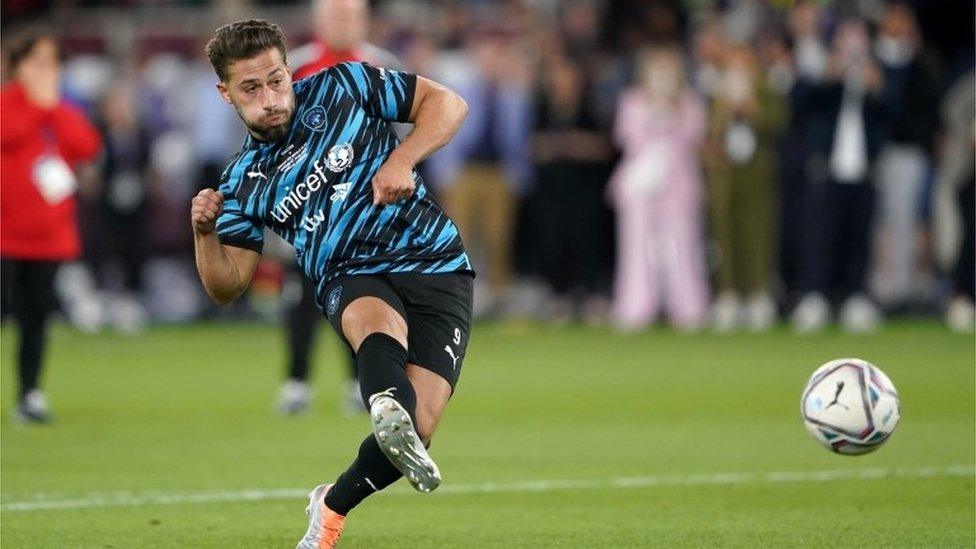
point(716, 166)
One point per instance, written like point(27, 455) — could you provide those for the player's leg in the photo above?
point(439, 314)
point(368, 314)
point(378, 332)
point(301, 321)
point(433, 393)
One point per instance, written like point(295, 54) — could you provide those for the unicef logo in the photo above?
point(339, 157)
point(333, 301)
point(314, 118)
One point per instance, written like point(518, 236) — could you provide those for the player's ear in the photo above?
point(224, 92)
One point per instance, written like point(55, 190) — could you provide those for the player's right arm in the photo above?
point(225, 271)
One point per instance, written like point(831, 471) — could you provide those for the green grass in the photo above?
point(189, 409)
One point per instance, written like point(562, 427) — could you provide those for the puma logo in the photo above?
point(840, 387)
point(256, 173)
point(450, 351)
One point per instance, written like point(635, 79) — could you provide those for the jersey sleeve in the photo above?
point(383, 93)
point(234, 227)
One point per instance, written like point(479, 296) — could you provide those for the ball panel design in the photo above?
point(850, 406)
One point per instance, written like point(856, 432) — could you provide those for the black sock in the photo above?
point(371, 472)
point(381, 360)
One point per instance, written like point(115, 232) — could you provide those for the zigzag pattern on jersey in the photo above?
point(350, 236)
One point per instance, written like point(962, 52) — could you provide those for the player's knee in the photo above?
point(368, 329)
point(359, 320)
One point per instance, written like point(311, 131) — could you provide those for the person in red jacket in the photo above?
point(41, 139)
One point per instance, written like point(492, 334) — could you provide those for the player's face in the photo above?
point(260, 90)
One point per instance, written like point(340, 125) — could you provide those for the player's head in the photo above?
point(249, 58)
point(341, 24)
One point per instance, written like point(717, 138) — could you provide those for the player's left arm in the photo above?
point(436, 113)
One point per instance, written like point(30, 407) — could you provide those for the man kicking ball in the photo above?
point(322, 168)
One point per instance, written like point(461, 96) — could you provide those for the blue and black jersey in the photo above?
point(313, 187)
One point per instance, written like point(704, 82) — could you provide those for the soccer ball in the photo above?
point(850, 406)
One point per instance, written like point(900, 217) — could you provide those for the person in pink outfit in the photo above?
point(656, 190)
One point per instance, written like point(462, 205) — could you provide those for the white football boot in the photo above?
point(324, 524)
point(395, 433)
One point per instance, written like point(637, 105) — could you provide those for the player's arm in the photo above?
point(436, 113)
point(225, 271)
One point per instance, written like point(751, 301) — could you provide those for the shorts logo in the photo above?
point(339, 157)
point(450, 352)
point(333, 301)
point(314, 118)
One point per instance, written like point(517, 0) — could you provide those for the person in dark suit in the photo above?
point(846, 118)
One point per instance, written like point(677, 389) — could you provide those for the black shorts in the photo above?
point(436, 307)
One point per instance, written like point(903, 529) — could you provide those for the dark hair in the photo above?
point(242, 40)
point(22, 43)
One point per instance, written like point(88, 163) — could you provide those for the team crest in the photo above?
point(339, 157)
point(314, 118)
point(333, 301)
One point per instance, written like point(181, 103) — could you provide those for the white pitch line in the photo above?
point(136, 499)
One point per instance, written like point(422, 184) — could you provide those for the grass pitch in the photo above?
point(571, 437)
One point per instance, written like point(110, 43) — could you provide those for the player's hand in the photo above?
point(205, 209)
point(392, 182)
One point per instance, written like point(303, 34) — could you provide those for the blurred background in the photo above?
point(713, 165)
point(630, 171)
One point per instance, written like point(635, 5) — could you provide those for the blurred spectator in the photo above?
point(809, 50)
point(118, 250)
point(571, 160)
point(912, 91)
point(709, 45)
point(808, 63)
point(955, 199)
point(845, 119)
point(340, 35)
point(216, 131)
point(744, 121)
point(629, 24)
point(481, 171)
point(656, 190)
point(491, 52)
point(41, 139)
